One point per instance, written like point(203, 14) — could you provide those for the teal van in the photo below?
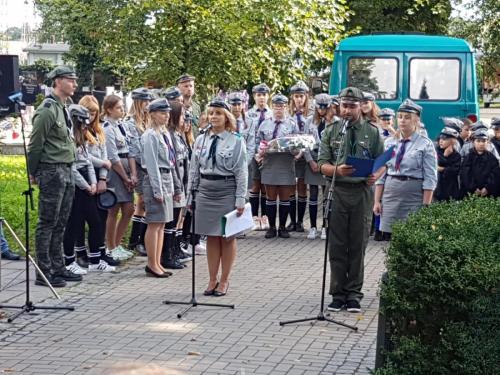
point(437, 72)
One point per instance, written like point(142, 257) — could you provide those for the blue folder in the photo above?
point(366, 167)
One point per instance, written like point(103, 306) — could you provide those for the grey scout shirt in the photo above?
point(267, 130)
point(419, 160)
point(134, 133)
point(98, 155)
point(254, 114)
point(116, 141)
point(231, 160)
point(83, 164)
point(311, 128)
point(246, 128)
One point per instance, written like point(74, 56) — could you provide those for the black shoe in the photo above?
point(151, 273)
point(9, 255)
point(55, 281)
point(353, 306)
point(68, 275)
point(271, 233)
point(172, 264)
point(283, 233)
point(82, 262)
point(387, 236)
point(141, 250)
point(110, 260)
point(219, 293)
point(336, 305)
point(210, 292)
point(292, 227)
point(379, 236)
point(299, 227)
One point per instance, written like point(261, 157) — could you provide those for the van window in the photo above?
point(434, 79)
point(376, 75)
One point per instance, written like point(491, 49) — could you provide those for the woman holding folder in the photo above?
point(219, 174)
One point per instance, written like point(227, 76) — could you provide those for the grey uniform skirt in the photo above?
point(158, 212)
point(254, 171)
point(400, 198)
point(140, 178)
point(278, 169)
point(300, 168)
point(182, 202)
point(312, 178)
point(115, 182)
point(214, 199)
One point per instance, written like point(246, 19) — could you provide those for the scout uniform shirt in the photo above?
point(362, 140)
point(246, 128)
point(50, 141)
point(117, 140)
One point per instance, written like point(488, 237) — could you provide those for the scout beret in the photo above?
point(386, 113)
point(142, 93)
point(79, 112)
point(218, 103)
point(368, 97)
point(335, 99)
point(409, 106)
point(172, 93)
point(299, 88)
point(453, 122)
point(235, 98)
point(322, 101)
point(62, 71)
point(447, 132)
point(261, 88)
point(478, 125)
point(185, 78)
point(481, 134)
point(107, 199)
point(159, 105)
point(279, 98)
point(351, 94)
point(495, 123)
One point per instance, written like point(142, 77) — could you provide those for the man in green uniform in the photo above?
point(51, 152)
point(186, 85)
point(350, 218)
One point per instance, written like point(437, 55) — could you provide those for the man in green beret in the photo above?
point(351, 214)
point(186, 85)
point(51, 152)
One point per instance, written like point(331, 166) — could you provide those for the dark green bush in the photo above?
point(442, 298)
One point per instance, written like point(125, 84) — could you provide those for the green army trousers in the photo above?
point(349, 229)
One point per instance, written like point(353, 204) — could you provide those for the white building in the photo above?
point(49, 51)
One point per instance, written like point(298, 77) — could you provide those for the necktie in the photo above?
point(122, 130)
point(213, 150)
point(171, 150)
point(401, 153)
point(321, 127)
point(276, 128)
point(386, 133)
point(353, 141)
point(262, 116)
point(300, 121)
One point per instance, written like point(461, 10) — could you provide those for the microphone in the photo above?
point(16, 97)
point(206, 129)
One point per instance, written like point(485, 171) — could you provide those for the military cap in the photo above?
point(480, 133)
point(323, 101)
point(368, 97)
point(185, 78)
point(351, 94)
point(335, 100)
point(409, 106)
point(495, 123)
point(386, 113)
point(218, 103)
point(261, 88)
point(299, 88)
point(142, 93)
point(188, 116)
point(279, 98)
point(478, 125)
point(235, 98)
point(79, 113)
point(62, 71)
point(447, 132)
point(159, 105)
point(453, 122)
point(172, 93)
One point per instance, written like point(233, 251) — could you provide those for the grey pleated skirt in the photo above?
point(300, 168)
point(115, 182)
point(278, 169)
point(400, 198)
point(213, 200)
point(158, 212)
point(254, 171)
point(312, 178)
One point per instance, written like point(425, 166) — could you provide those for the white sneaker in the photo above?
point(76, 269)
point(129, 253)
point(264, 222)
point(323, 233)
point(103, 266)
point(119, 254)
point(312, 234)
point(256, 223)
point(200, 249)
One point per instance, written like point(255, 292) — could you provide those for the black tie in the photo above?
point(353, 141)
point(213, 150)
point(321, 127)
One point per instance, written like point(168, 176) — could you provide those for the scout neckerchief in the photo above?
point(276, 128)
point(401, 153)
point(171, 150)
point(213, 150)
point(300, 120)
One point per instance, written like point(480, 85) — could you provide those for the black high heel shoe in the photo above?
point(210, 292)
point(218, 293)
point(151, 273)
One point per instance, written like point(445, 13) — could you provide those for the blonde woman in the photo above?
point(369, 108)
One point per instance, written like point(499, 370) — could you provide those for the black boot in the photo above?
point(271, 233)
point(378, 236)
point(168, 259)
point(283, 232)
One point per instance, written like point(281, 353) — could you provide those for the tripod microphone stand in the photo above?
point(321, 315)
point(29, 306)
point(193, 302)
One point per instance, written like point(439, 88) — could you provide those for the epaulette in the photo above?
point(106, 123)
point(47, 102)
point(372, 124)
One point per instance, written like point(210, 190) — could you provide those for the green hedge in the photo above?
point(442, 298)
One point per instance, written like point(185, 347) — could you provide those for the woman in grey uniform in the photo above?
point(411, 174)
point(315, 126)
point(136, 123)
point(299, 111)
point(369, 109)
point(221, 182)
point(159, 162)
point(122, 177)
point(278, 169)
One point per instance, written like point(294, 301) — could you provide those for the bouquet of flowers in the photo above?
point(293, 144)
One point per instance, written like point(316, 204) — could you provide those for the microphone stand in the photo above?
point(29, 306)
point(321, 315)
point(193, 302)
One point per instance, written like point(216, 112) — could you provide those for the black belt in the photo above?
point(406, 178)
point(58, 164)
point(350, 184)
point(123, 155)
point(164, 170)
point(215, 177)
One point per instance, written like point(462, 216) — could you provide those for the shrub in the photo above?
point(442, 297)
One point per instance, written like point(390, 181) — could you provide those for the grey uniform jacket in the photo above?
point(84, 164)
point(266, 130)
point(134, 133)
point(98, 155)
point(116, 141)
point(312, 129)
point(246, 128)
point(419, 161)
point(231, 160)
point(253, 114)
point(182, 159)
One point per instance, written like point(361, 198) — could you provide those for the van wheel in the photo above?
point(486, 105)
